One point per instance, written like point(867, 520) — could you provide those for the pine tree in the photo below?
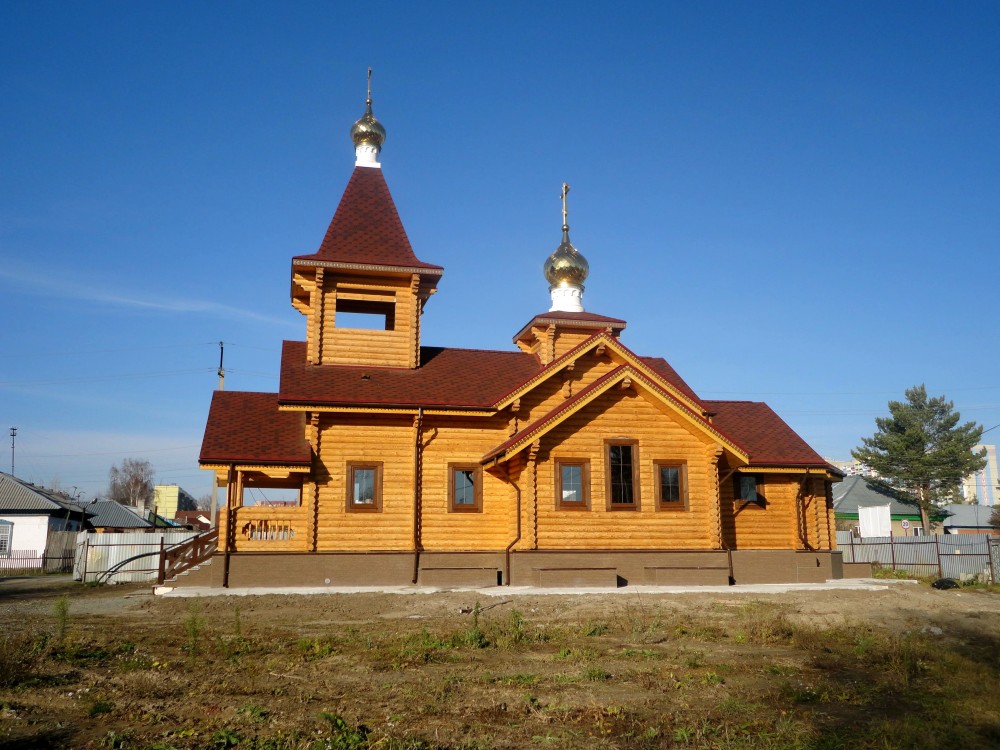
point(922, 451)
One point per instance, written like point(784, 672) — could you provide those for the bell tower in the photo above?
point(364, 290)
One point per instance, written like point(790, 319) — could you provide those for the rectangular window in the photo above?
point(671, 485)
point(364, 486)
point(622, 484)
point(572, 483)
point(5, 534)
point(749, 488)
point(465, 488)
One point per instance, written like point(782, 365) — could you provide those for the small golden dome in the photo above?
point(367, 130)
point(566, 265)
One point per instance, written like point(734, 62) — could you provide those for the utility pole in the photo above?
point(222, 370)
point(13, 434)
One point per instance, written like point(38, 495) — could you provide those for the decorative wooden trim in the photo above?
point(487, 412)
point(263, 468)
point(300, 263)
point(353, 506)
point(636, 479)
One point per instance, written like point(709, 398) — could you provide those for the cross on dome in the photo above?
point(566, 269)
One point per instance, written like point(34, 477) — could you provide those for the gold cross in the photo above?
point(565, 192)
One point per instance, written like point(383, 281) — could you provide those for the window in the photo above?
point(5, 533)
point(671, 485)
point(749, 488)
point(465, 488)
point(366, 314)
point(572, 483)
point(364, 486)
point(622, 484)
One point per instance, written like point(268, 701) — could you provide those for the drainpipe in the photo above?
point(803, 528)
point(418, 484)
point(230, 488)
point(506, 552)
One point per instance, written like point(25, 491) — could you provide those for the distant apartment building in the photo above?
point(981, 487)
point(170, 498)
point(851, 467)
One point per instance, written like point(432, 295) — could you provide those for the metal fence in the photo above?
point(959, 556)
point(97, 554)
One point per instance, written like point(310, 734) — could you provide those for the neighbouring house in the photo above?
point(567, 460)
point(968, 519)
point(196, 520)
point(31, 521)
point(109, 516)
point(858, 492)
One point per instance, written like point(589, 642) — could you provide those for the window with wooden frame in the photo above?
point(670, 480)
point(573, 483)
point(364, 486)
point(5, 533)
point(622, 486)
point(465, 488)
point(749, 489)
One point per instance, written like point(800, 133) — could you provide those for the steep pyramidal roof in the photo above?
point(366, 230)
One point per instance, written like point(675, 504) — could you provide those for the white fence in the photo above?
point(959, 556)
point(96, 554)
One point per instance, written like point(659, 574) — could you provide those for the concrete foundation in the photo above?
point(543, 568)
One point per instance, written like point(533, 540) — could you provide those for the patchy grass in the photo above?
point(297, 674)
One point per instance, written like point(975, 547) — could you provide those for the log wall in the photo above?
point(625, 414)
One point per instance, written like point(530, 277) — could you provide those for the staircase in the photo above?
point(191, 557)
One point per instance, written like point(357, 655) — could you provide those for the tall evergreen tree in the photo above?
point(922, 451)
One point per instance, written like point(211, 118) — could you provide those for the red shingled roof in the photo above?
point(464, 378)
point(662, 368)
point(248, 428)
point(366, 229)
point(763, 434)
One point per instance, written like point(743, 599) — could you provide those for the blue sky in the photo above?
point(790, 202)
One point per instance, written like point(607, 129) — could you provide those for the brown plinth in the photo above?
point(857, 570)
point(576, 577)
point(671, 576)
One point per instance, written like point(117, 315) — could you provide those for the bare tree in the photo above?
point(131, 483)
point(204, 502)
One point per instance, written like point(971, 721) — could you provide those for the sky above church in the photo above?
point(791, 202)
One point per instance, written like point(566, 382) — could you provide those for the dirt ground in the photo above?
point(443, 670)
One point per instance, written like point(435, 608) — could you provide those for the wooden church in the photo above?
point(568, 460)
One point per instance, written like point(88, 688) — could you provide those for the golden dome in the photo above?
point(566, 265)
point(367, 130)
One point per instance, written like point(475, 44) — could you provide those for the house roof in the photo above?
point(108, 514)
point(764, 435)
point(366, 230)
point(456, 378)
point(857, 492)
point(248, 428)
point(18, 496)
point(962, 516)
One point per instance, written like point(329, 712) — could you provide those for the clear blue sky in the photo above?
point(791, 202)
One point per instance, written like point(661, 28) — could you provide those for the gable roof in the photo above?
point(857, 492)
point(768, 440)
point(366, 231)
point(248, 428)
point(656, 365)
point(456, 378)
point(531, 432)
point(108, 514)
point(19, 496)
